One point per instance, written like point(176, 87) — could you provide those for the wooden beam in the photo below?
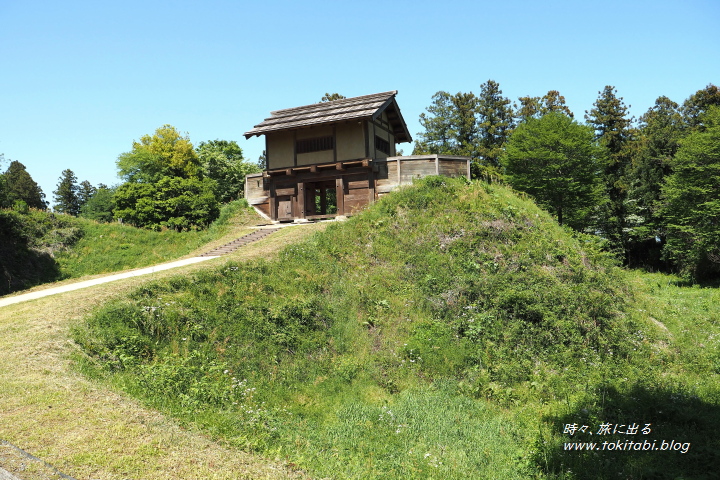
point(367, 138)
point(340, 195)
point(301, 200)
point(273, 202)
point(371, 186)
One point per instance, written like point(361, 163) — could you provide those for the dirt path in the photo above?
point(83, 429)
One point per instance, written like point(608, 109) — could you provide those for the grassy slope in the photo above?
point(87, 430)
point(60, 247)
point(389, 372)
point(447, 332)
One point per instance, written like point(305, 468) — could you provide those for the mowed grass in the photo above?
point(87, 430)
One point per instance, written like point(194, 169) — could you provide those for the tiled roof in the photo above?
point(366, 106)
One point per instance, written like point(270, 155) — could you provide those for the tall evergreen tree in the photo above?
point(100, 205)
point(699, 103)
point(21, 186)
point(439, 134)
point(536, 107)
point(495, 122)
point(66, 194)
point(85, 193)
point(613, 129)
point(659, 132)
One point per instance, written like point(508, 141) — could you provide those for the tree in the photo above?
point(262, 160)
point(85, 193)
point(172, 202)
point(659, 132)
point(164, 154)
point(613, 129)
point(331, 97)
point(222, 161)
point(691, 205)
point(495, 122)
point(536, 107)
point(100, 205)
point(450, 127)
point(66, 195)
point(21, 186)
point(4, 197)
point(698, 103)
point(556, 160)
point(438, 137)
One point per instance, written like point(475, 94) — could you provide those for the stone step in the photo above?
point(240, 242)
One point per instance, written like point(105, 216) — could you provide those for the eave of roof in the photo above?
point(346, 109)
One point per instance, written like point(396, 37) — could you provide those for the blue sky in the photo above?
point(81, 80)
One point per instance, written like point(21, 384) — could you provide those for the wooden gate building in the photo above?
point(333, 158)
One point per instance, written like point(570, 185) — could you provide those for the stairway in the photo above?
point(240, 242)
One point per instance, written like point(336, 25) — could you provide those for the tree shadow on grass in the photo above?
point(677, 437)
point(22, 267)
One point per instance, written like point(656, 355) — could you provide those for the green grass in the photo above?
point(449, 331)
point(57, 247)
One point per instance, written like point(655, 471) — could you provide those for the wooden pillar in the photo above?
point(398, 172)
point(301, 200)
point(340, 195)
point(273, 201)
point(371, 186)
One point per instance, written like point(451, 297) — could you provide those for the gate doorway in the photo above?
point(323, 200)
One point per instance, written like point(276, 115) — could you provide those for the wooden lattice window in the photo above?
point(382, 145)
point(315, 144)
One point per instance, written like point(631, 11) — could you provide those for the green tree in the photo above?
point(66, 194)
point(438, 137)
point(659, 132)
point(613, 129)
point(495, 119)
point(4, 198)
point(556, 160)
point(450, 125)
point(698, 103)
point(21, 186)
point(85, 193)
point(100, 205)
point(172, 202)
point(536, 107)
point(164, 154)
point(691, 205)
point(331, 97)
point(222, 161)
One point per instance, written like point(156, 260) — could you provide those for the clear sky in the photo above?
point(81, 80)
